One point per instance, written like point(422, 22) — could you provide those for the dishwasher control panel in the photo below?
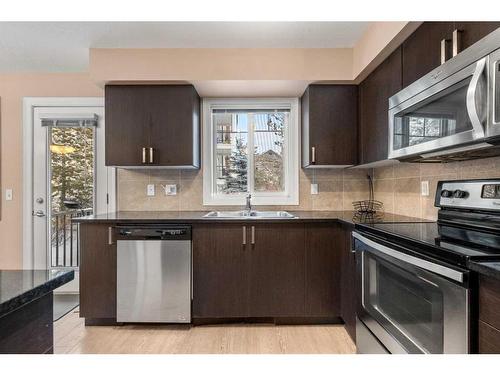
point(154, 233)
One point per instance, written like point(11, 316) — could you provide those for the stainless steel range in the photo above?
point(414, 284)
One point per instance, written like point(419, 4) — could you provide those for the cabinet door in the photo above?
point(422, 49)
point(348, 282)
point(329, 125)
point(322, 270)
point(277, 274)
point(374, 94)
point(175, 125)
point(128, 124)
point(220, 275)
point(97, 272)
point(471, 32)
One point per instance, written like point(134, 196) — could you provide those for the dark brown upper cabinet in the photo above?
point(436, 42)
point(152, 125)
point(374, 94)
point(329, 125)
point(422, 50)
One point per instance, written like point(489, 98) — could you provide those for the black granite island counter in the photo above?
point(26, 309)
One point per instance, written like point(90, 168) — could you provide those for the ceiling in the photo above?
point(63, 46)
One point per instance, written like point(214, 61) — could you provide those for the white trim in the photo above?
point(292, 162)
point(29, 105)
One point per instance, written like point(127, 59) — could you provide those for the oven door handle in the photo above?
point(476, 122)
point(421, 263)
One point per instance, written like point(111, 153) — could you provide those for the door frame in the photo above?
point(29, 105)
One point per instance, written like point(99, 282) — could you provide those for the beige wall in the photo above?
point(337, 189)
point(13, 87)
point(398, 187)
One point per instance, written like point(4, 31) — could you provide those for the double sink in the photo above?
point(246, 214)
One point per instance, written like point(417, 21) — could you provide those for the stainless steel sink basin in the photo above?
point(250, 215)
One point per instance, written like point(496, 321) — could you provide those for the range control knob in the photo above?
point(446, 193)
point(460, 194)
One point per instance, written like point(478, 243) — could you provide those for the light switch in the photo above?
point(314, 188)
point(424, 188)
point(151, 190)
point(8, 194)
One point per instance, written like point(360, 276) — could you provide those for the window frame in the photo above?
point(290, 196)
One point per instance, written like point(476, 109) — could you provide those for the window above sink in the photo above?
point(250, 146)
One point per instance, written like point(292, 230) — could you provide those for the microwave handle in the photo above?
point(471, 99)
point(421, 263)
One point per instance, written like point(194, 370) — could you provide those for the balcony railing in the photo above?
point(65, 244)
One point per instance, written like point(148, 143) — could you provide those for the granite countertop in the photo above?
point(18, 287)
point(486, 268)
point(345, 217)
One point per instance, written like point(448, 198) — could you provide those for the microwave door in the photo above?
point(448, 114)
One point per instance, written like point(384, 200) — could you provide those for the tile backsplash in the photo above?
point(337, 189)
point(398, 186)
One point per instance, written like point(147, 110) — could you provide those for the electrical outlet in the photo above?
point(8, 194)
point(424, 188)
point(170, 189)
point(314, 189)
point(151, 190)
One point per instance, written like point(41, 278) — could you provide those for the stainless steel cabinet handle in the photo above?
point(151, 155)
point(313, 155)
point(110, 235)
point(144, 155)
point(457, 42)
point(244, 235)
point(253, 235)
point(444, 45)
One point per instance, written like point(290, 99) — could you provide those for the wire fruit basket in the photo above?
point(370, 206)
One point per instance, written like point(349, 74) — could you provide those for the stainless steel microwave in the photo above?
point(452, 113)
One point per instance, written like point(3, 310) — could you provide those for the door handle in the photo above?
point(144, 155)
point(39, 213)
point(244, 242)
point(253, 235)
point(151, 155)
point(313, 155)
point(110, 235)
point(444, 45)
point(457, 42)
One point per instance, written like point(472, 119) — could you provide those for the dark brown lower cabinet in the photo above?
point(322, 270)
point(489, 315)
point(348, 294)
point(285, 270)
point(220, 271)
point(276, 270)
point(97, 273)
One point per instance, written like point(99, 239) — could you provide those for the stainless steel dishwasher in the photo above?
point(153, 274)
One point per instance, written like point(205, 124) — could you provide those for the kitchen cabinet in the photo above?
point(97, 272)
point(471, 32)
point(489, 315)
point(276, 270)
point(220, 271)
point(152, 126)
point(348, 283)
point(422, 49)
point(244, 270)
point(323, 270)
point(329, 125)
point(374, 94)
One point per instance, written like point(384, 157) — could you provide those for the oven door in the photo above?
point(448, 114)
point(409, 304)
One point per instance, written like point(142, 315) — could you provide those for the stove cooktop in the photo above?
point(455, 244)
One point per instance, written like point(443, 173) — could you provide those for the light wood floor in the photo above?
point(71, 336)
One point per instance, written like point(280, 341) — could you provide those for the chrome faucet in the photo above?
point(248, 206)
